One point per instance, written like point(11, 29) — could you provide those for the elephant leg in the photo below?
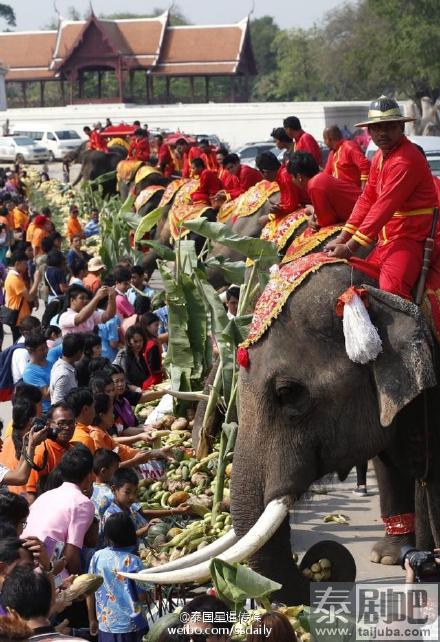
point(397, 510)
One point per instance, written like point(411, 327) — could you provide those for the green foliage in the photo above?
point(7, 13)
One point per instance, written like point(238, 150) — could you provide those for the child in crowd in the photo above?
point(115, 611)
point(105, 464)
point(53, 336)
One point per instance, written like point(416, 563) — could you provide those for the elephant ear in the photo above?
point(405, 367)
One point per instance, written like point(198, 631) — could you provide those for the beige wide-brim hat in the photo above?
point(384, 110)
point(95, 264)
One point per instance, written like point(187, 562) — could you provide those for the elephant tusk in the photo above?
point(188, 396)
point(268, 523)
point(208, 552)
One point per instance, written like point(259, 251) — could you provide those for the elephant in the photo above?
point(95, 163)
point(126, 187)
point(308, 411)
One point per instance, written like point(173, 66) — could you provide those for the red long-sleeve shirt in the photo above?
point(290, 194)
point(332, 199)
point(97, 141)
point(210, 184)
point(248, 176)
point(230, 183)
point(306, 143)
point(139, 149)
point(194, 152)
point(398, 199)
point(210, 160)
point(348, 163)
point(165, 160)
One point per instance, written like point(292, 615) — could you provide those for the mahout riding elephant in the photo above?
point(306, 411)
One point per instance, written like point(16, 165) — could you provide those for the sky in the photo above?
point(35, 14)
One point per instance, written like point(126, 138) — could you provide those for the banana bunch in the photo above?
point(197, 535)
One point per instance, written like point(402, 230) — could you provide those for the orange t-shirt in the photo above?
point(9, 459)
point(54, 453)
point(73, 227)
point(38, 235)
point(92, 282)
point(14, 288)
point(30, 231)
point(19, 219)
point(82, 434)
point(103, 440)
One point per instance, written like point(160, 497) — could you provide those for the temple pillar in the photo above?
point(24, 92)
point(191, 84)
point(100, 84)
point(167, 88)
point(207, 79)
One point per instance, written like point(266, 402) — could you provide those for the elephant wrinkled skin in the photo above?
point(306, 411)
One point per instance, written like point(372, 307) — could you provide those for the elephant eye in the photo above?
point(294, 397)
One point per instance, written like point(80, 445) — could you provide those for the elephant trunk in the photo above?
point(274, 559)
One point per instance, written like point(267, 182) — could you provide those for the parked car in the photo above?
point(213, 140)
point(59, 142)
point(22, 149)
point(430, 145)
point(249, 152)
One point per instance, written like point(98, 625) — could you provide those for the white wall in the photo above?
point(236, 123)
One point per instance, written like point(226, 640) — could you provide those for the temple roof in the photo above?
point(141, 43)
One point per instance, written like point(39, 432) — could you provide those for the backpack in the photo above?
point(6, 380)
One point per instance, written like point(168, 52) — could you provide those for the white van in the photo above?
point(59, 141)
point(22, 149)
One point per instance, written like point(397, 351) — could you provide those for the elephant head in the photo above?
point(306, 411)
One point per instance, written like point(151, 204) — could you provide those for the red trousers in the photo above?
point(398, 264)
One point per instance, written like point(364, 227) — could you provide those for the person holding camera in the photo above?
point(60, 426)
point(17, 453)
point(420, 566)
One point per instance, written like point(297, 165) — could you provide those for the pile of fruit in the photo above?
point(171, 543)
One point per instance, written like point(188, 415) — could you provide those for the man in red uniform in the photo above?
point(283, 142)
point(332, 199)
point(208, 155)
point(302, 141)
point(96, 140)
point(210, 183)
point(247, 176)
point(290, 194)
point(345, 160)
point(139, 149)
point(187, 153)
point(396, 205)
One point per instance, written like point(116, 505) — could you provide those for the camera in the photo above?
point(422, 563)
point(39, 423)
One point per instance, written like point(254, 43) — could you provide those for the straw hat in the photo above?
point(95, 264)
point(384, 110)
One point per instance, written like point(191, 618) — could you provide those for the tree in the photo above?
point(263, 32)
point(176, 16)
point(7, 13)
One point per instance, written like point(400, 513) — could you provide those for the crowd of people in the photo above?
point(77, 368)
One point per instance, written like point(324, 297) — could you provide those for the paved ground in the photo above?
point(363, 530)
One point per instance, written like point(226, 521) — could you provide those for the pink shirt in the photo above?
point(123, 306)
point(67, 322)
point(64, 514)
point(129, 321)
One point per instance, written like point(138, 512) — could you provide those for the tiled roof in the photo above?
point(144, 43)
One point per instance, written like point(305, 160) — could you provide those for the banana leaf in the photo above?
point(162, 251)
point(233, 271)
point(197, 329)
point(127, 205)
point(148, 222)
point(250, 247)
point(236, 583)
point(219, 321)
point(103, 178)
point(131, 219)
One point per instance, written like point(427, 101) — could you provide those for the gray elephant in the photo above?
point(95, 163)
point(306, 411)
point(154, 177)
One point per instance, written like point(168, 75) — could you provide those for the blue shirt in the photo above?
point(132, 293)
point(54, 353)
point(136, 517)
point(162, 313)
point(102, 498)
point(118, 606)
point(91, 228)
point(109, 331)
point(38, 376)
